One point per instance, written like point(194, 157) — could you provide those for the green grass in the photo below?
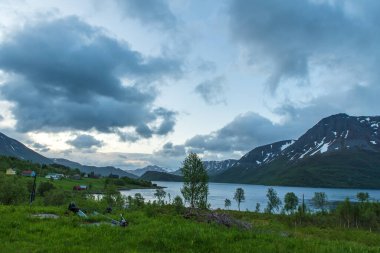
point(166, 231)
point(97, 185)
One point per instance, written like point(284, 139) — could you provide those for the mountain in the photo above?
point(339, 151)
point(217, 167)
point(337, 133)
point(141, 171)
point(12, 147)
point(160, 176)
point(103, 171)
point(256, 158)
point(213, 168)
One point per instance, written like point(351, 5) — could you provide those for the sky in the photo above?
point(131, 83)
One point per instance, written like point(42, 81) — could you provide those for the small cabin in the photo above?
point(11, 172)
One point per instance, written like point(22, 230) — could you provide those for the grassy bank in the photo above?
point(94, 185)
point(160, 229)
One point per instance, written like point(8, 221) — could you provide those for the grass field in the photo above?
point(166, 231)
point(96, 185)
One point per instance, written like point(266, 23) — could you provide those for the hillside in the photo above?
point(14, 148)
point(103, 171)
point(20, 165)
point(160, 176)
point(339, 151)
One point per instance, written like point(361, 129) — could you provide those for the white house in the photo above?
point(54, 176)
point(10, 172)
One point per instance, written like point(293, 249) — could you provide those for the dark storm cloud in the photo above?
point(150, 12)
point(212, 91)
point(290, 35)
point(144, 131)
point(85, 141)
point(68, 76)
point(167, 125)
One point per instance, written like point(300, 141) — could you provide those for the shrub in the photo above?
point(12, 191)
point(56, 197)
point(44, 187)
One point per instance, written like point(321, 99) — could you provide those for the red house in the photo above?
point(80, 187)
point(28, 173)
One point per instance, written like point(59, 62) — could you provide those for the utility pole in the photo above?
point(33, 192)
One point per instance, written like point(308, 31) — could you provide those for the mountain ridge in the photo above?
point(140, 171)
point(336, 145)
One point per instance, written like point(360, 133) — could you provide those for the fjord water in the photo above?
point(253, 193)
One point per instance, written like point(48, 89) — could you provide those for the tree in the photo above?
point(138, 200)
point(178, 203)
point(320, 200)
point(257, 208)
point(362, 196)
point(227, 203)
point(291, 202)
point(160, 194)
point(55, 197)
point(195, 185)
point(239, 196)
point(274, 201)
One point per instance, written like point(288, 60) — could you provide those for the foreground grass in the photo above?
point(168, 232)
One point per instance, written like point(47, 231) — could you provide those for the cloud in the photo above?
point(171, 150)
point(155, 13)
point(293, 39)
point(212, 91)
point(70, 75)
point(243, 133)
point(85, 141)
point(206, 66)
point(40, 147)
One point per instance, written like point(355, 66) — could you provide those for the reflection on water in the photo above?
point(253, 193)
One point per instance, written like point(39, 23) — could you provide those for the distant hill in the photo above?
point(12, 147)
point(103, 171)
point(160, 176)
point(141, 171)
point(339, 151)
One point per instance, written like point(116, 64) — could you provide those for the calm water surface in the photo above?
point(253, 193)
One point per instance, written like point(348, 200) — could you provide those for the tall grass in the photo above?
point(160, 229)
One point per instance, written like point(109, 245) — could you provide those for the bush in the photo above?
point(12, 191)
point(44, 187)
point(178, 204)
point(56, 197)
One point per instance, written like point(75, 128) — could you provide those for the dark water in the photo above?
point(255, 193)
